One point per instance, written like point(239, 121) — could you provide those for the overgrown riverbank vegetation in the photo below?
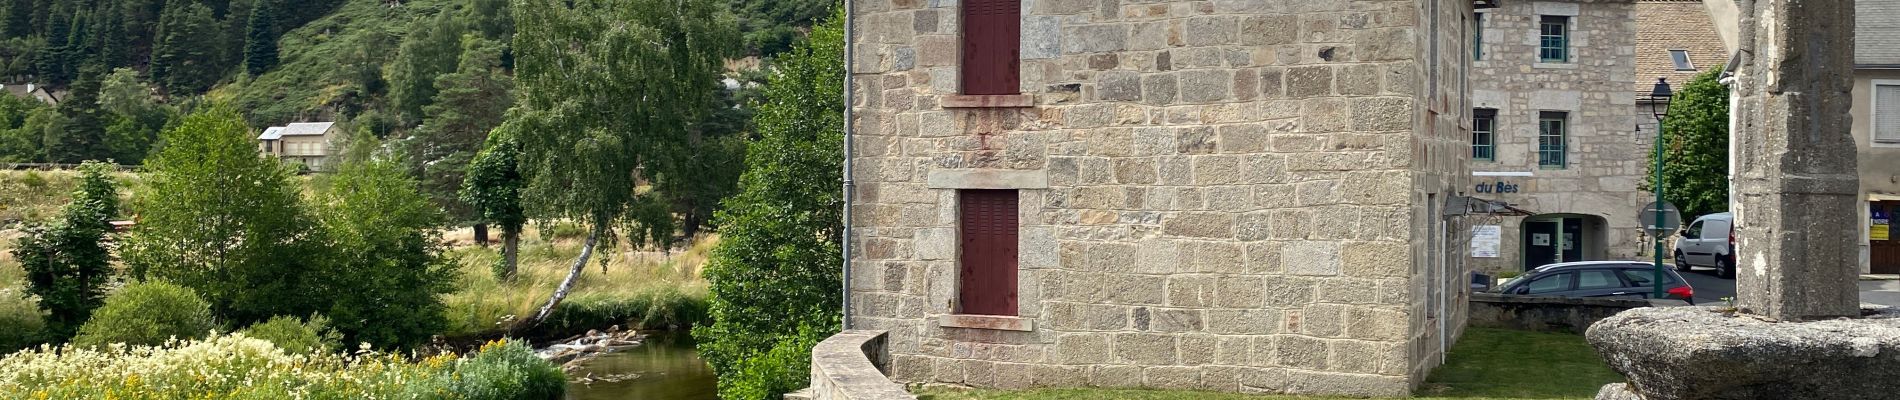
point(239, 367)
point(611, 183)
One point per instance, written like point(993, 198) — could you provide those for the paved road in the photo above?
point(1883, 292)
point(1709, 289)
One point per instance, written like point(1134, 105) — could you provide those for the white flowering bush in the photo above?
point(238, 367)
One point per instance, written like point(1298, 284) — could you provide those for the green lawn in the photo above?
point(1486, 364)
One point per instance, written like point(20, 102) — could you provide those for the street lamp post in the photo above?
point(1659, 105)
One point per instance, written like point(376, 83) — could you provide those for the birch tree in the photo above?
point(610, 93)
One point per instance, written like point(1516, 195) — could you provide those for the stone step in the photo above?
point(801, 394)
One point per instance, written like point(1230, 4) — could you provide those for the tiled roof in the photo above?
point(1877, 32)
point(1664, 25)
point(272, 133)
point(307, 128)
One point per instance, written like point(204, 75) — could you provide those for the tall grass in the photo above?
point(36, 196)
point(637, 289)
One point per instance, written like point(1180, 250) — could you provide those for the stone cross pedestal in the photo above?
point(1797, 226)
point(1796, 221)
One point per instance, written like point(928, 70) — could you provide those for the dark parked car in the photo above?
point(1599, 279)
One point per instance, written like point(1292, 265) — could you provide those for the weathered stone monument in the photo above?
point(1797, 330)
point(1797, 255)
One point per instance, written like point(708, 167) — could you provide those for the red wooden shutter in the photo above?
point(988, 230)
point(992, 37)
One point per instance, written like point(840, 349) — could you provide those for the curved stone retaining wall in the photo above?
point(852, 365)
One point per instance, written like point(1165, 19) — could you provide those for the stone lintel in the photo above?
point(1556, 8)
point(987, 101)
point(988, 179)
point(990, 322)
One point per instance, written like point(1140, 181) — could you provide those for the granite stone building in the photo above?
point(1554, 134)
point(1230, 195)
point(1876, 129)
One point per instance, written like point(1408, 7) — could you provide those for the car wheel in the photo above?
point(1723, 269)
point(1681, 264)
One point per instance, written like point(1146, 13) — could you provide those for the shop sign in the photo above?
point(1499, 187)
point(1881, 221)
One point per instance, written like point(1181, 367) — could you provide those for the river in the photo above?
point(666, 367)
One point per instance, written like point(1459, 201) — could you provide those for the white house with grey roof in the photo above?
point(308, 143)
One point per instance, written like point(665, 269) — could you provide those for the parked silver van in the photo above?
point(1708, 242)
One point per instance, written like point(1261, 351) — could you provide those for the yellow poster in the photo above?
point(1878, 232)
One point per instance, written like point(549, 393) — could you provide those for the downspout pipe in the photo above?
point(850, 186)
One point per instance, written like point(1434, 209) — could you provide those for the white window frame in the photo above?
point(1873, 113)
point(1686, 60)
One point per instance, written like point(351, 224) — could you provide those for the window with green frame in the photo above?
point(1553, 39)
point(1477, 37)
point(1484, 138)
point(1552, 149)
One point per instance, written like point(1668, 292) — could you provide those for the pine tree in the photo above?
point(184, 60)
point(430, 50)
point(468, 104)
point(260, 44)
point(109, 40)
point(19, 19)
point(51, 66)
point(84, 136)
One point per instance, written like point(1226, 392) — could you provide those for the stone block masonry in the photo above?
point(1230, 195)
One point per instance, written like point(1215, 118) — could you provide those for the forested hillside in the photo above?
point(428, 79)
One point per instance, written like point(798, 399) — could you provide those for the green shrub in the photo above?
point(22, 323)
point(505, 370)
point(312, 336)
point(563, 231)
point(33, 179)
point(777, 258)
point(661, 308)
point(147, 313)
point(784, 368)
point(235, 367)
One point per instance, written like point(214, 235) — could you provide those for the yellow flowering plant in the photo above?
point(238, 367)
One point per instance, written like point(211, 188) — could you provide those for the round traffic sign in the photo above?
point(1671, 219)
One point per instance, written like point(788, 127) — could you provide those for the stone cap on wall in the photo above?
point(850, 366)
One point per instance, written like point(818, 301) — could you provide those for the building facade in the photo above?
point(1236, 195)
point(1876, 115)
point(306, 143)
point(1554, 134)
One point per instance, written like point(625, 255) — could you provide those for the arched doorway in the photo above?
point(1555, 238)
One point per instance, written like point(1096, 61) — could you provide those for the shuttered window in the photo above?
point(987, 228)
point(992, 40)
point(1887, 113)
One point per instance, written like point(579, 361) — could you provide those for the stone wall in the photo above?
point(1232, 195)
point(1559, 314)
point(1606, 159)
point(850, 366)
